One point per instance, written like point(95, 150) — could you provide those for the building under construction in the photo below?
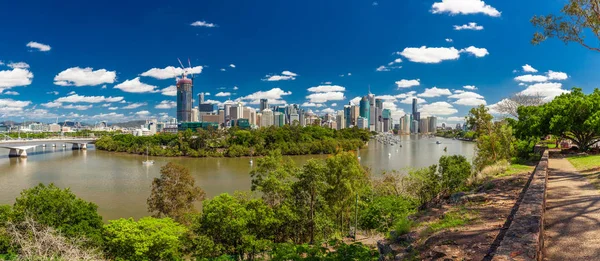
point(184, 99)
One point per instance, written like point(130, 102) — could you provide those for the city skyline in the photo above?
point(126, 69)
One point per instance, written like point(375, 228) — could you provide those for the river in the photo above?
point(119, 184)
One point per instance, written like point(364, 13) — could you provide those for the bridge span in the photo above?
point(18, 148)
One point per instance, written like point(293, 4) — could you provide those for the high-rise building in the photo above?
point(195, 115)
point(347, 116)
point(227, 109)
point(386, 115)
point(301, 116)
point(432, 124)
point(259, 119)
point(278, 119)
point(294, 119)
point(414, 126)
point(267, 118)
point(184, 99)
point(354, 114)
point(200, 98)
point(362, 123)
point(340, 120)
point(264, 104)
point(424, 126)
point(406, 124)
point(365, 109)
point(416, 116)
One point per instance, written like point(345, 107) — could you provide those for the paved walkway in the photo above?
point(572, 226)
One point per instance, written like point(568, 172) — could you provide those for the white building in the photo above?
point(362, 123)
point(267, 118)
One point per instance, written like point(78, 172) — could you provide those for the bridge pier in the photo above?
point(14, 153)
point(75, 146)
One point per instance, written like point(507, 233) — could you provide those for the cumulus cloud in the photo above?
point(478, 52)
point(552, 75)
point(426, 54)
point(548, 90)
point(322, 97)
point(142, 113)
point(135, 86)
point(113, 108)
point(531, 78)
point(464, 7)
point(434, 92)
point(235, 88)
point(284, 76)
point(52, 92)
point(311, 104)
point(39, 46)
point(469, 26)
point(170, 72)
point(76, 76)
point(76, 98)
point(15, 77)
point(455, 119)
point(449, 40)
point(52, 104)
point(232, 65)
point(203, 24)
point(274, 96)
point(409, 100)
point(135, 105)
point(170, 91)
point(327, 88)
point(223, 94)
point(10, 93)
point(529, 68)
point(407, 83)
point(21, 65)
point(78, 107)
point(437, 108)
point(166, 105)
point(467, 98)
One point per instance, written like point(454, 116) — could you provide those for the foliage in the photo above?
point(272, 176)
point(60, 209)
point(524, 149)
point(5, 214)
point(174, 193)
point(402, 227)
point(454, 172)
point(424, 184)
point(147, 239)
point(494, 139)
point(449, 220)
point(579, 18)
point(341, 251)
point(384, 212)
point(574, 116)
point(290, 140)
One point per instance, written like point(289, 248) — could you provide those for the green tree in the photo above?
point(273, 177)
point(454, 171)
point(309, 188)
point(174, 193)
point(494, 139)
point(147, 239)
point(579, 19)
point(60, 209)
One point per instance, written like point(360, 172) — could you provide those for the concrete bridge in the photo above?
point(18, 148)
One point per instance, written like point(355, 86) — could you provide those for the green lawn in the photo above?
point(585, 162)
point(516, 169)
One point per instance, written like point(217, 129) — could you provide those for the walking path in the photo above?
point(572, 219)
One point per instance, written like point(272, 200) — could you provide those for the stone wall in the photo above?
point(524, 239)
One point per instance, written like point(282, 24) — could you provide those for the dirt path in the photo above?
point(572, 226)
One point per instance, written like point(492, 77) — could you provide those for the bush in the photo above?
point(383, 212)
point(147, 239)
point(60, 209)
point(454, 171)
point(524, 148)
point(402, 227)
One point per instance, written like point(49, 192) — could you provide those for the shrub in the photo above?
point(454, 171)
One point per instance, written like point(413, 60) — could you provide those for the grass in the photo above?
point(517, 169)
point(585, 162)
point(451, 219)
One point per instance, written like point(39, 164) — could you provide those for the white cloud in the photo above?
point(10, 107)
point(467, 98)
point(20, 65)
point(328, 111)
point(223, 69)
point(15, 77)
point(39, 46)
point(459, 91)
point(426, 54)
point(434, 92)
point(235, 88)
point(113, 108)
point(273, 96)
point(103, 87)
point(71, 92)
point(166, 105)
point(10, 93)
point(478, 52)
point(311, 104)
point(142, 113)
point(106, 105)
point(75, 98)
point(223, 94)
point(52, 92)
point(135, 86)
point(469, 26)
point(449, 40)
point(522, 84)
point(170, 91)
point(409, 100)
point(135, 105)
point(327, 88)
point(531, 78)
point(203, 24)
point(529, 68)
point(52, 104)
point(76, 76)
point(232, 65)
point(382, 69)
point(552, 75)
point(455, 119)
point(355, 100)
point(437, 108)
point(397, 60)
point(171, 72)
point(548, 90)
point(408, 83)
point(333, 104)
point(322, 97)
point(464, 7)
point(464, 95)
point(78, 107)
point(285, 75)
point(405, 95)
point(470, 87)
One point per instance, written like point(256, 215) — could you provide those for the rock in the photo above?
point(454, 198)
point(402, 256)
point(384, 249)
point(473, 198)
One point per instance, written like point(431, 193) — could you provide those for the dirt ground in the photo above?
point(486, 212)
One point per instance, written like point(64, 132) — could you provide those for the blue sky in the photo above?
point(92, 61)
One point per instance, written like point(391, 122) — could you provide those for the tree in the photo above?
point(454, 171)
point(310, 186)
point(147, 239)
point(494, 139)
point(60, 209)
point(272, 176)
point(510, 105)
point(174, 193)
point(579, 18)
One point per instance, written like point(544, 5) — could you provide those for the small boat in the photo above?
point(437, 142)
point(147, 161)
point(251, 162)
point(389, 154)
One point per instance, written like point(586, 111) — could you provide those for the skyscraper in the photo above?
point(365, 109)
point(347, 116)
point(416, 116)
point(184, 99)
point(200, 98)
point(264, 104)
point(432, 124)
point(378, 115)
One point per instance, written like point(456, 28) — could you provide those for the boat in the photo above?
point(437, 142)
point(147, 161)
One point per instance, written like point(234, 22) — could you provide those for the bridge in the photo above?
point(18, 148)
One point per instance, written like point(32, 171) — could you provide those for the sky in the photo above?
point(116, 61)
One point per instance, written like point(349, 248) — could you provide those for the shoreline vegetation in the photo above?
point(289, 140)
